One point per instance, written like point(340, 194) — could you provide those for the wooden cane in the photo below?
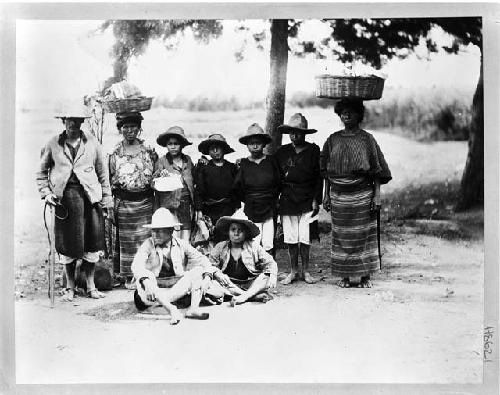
point(52, 257)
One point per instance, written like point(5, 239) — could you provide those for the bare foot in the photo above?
point(175, 316)
point(344, 283)
point(365, 283)
point(68, 295)
point(238, 300)
point(309, 279)
point(95, 294)
point(289, 279)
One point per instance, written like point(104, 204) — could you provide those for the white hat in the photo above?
point(163, 218)
point(73, 111)
point(168, 184)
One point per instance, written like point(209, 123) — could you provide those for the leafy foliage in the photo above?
point(375, 41)
point(133, 36)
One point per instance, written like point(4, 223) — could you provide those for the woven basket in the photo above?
point(128, 105)
point(338, 87)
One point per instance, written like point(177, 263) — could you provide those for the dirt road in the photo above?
point(421, 323)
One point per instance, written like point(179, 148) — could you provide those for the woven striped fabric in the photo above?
point(130, 234)
point(354, 250)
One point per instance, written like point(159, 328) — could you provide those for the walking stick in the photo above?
point(378, 237)
point(52, 257)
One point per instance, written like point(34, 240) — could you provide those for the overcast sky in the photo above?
point(61, 59)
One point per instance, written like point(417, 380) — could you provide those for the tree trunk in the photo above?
point(275, 102)
point(472, 185)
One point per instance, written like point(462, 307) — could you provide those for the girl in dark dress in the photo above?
point(214, 196)
point(258, 184)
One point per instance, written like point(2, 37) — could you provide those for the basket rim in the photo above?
point(125, 99)
point(350, 77)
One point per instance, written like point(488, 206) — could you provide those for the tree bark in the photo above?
point(472, 185)
point(275, 101)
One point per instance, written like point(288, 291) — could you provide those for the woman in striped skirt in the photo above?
point(354, 168)
point(131, 166)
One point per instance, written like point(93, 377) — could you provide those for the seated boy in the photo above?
point(242, 266)
point(163, 255)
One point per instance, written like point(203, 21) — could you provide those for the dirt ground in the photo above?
point(422, 321)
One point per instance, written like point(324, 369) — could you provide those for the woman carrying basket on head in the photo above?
point(131, 166)
point(354, 168)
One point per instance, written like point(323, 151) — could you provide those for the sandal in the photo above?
point(131, 284)
point(68, 295)
point(95, 294)
point(344, 283)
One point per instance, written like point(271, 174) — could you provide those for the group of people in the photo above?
point(153, 226)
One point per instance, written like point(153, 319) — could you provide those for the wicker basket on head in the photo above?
point(338, 87)
point(128, 105)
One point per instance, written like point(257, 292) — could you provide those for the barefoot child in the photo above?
point(164, 255)
point(242, 266)
point(175, 163)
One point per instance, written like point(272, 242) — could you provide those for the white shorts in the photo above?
point(92, 257)
point(296, 228)
point(266, 235)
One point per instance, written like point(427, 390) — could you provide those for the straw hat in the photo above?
point(214, 139)
point(163, 218)
point(240, 218)
point(297, 123)
point(254, 130)
point(73, 111)
point(174, 131)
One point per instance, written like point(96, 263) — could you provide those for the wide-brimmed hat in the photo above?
point(163, 218)
point(128, 117)
point(254, 130)
point(174, 131)
point(73, 111)
point(214, 139)
point(238, 217)
point(297, 123)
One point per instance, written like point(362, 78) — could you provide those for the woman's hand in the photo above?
point(315, 208)
point(273, 279)
point(376, 202)
point(205, 283)
point(327, 203)
point(222, 278)
point(198, 216)
point(150, 295)
point(109, 214)
point(51, 199)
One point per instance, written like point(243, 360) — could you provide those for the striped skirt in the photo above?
point(354, 249)
point(130, 233)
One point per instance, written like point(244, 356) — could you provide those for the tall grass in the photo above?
point(424, 114)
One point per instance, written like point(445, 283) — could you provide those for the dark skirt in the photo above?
point(83, 228)
point(354, 250)
point(179, 203)
point(131, 216)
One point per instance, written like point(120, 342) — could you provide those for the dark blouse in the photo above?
point(237, 271)
point(301, 179)
point(214, 189)
point(353, 156)
point(258, 186)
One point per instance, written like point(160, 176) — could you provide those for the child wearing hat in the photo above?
point(164, 255)
point(214, 196)
point(242, 266)
point(257, 185)
point(180, 202)
point(301, 194)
